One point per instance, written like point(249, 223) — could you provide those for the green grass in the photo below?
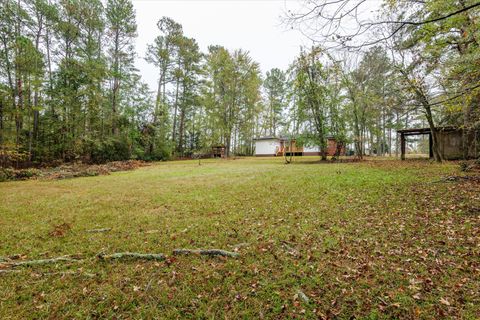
point(371, 240)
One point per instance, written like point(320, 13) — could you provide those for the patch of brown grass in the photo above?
point(60, 230)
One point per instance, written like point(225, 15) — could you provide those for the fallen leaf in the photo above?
point(444, 301)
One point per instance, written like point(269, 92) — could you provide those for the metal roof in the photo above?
point(425, 130)
point(288, 138)
point(267, 138)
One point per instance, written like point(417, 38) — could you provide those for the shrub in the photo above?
point(112, 149)
point(6, 174)
point(9, 174)
point(464, 166)
point(11, 154)
point(27, 173)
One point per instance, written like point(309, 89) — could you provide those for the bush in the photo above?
point(11, 154)
point(9, 174)
point(464, 166)
point(27, 173)
point(469, 166)
point(6, 174)
point(112, 149)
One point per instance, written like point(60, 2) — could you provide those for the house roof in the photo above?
point(285, 138)
point(267, 138)
point(425, 130)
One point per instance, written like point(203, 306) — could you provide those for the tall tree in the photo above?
point(188, 72)
point(162, 53)
point(121, 30)
point(311, 92)
point(275, 91)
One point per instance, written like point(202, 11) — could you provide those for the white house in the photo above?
point(311, 150)
point(267, 146)
point(273, 146)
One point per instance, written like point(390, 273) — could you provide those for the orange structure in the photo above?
point(285, 146)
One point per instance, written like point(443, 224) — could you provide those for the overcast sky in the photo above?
point(252, 25)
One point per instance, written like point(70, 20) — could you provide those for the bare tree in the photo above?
point(356, 24)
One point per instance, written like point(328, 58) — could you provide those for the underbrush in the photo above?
point(470, 166)
point(66, 171)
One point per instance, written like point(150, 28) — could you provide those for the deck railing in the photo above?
point(280, 151)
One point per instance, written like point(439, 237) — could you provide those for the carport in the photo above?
point(414, 132)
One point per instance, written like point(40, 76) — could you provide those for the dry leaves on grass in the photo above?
point(84, 170)
point(69, 170)
point(60, 230)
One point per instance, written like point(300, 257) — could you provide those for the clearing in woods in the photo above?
point(376, 239)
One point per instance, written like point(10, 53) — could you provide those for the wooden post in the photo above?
point(402, 146)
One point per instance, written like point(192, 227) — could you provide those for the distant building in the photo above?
point(274, 146)
point(218, 151)
point(453, 143)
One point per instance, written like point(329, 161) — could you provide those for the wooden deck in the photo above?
point(287, 150)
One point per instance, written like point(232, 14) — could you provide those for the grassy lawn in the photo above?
point(373, 240)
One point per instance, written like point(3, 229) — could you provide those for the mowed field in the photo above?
point(372, 240)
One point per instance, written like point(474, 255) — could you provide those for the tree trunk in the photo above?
point(158, 98)
point(36, 112)
point(116, 84)
point(174, 130)
point(1, 122)
point(181, 130)
point(436, 152)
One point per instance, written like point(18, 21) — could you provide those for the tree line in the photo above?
point(408, 64)
point(69, 89)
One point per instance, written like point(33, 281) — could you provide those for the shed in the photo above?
point(218, 151)
point(453, 143)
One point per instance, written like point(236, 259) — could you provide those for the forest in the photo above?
point(69, 89)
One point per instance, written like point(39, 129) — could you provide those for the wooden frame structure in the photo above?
point(218, 151)
point(414, 132)
point(446, 136)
